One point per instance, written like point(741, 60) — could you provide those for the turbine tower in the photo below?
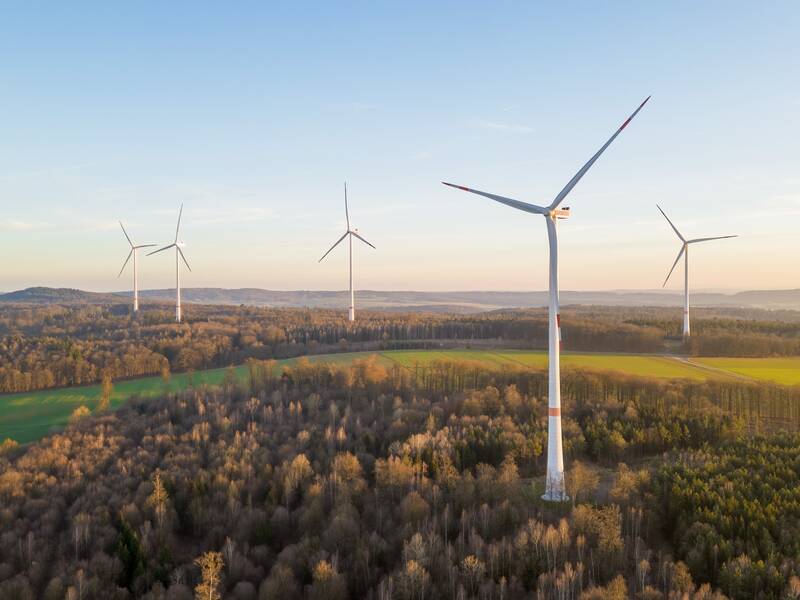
point(134, 253)
point(178, 253)
point(684, 251)
point(555, 487)
point(350, 233)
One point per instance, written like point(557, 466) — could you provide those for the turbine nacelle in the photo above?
point(134, 248)
point(685, 243)
point(133, 253)
point(349, 231)
point(352, 232)
point(178, 245)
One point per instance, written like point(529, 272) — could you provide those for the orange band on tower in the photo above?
point(554, 412)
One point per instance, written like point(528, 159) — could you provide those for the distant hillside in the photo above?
point(45, 295)
point(476, 301)
point(461, 302)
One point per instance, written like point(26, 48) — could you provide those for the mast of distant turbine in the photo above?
point(178, 253)
point(684, 251)
point(350, 233)
point(133, 253)
point(555, 488)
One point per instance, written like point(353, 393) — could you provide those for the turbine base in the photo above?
point(554, 496)
point(555, 489)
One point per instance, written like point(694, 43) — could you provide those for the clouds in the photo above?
point(353, 106)
point(63, 224)
point(44, 173)
point(505, 127)
point(16, 225)
point(426, 154)
point(233, 214)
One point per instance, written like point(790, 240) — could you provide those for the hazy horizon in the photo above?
point(665, 291)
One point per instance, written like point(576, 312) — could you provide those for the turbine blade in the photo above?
point(675, 229)
point(362, 239)
point(346, 212)
point(334, 246)
point(721, 237)
point(574, 181)
point(531, 208)
point(180, 213)
point(160, 250)
point(126, 234)
point(144, 246)
point(674, 264)
point(186, 262)
point(125, 264)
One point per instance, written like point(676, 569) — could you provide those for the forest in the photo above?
point(362, 481)
point(44, 346)
point(734, 513)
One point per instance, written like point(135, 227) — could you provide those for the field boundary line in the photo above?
point(702, 367)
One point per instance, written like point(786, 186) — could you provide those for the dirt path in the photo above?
point(715, 370)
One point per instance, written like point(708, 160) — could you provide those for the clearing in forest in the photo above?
point(28, 416)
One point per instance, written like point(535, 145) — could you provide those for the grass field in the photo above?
point(633, 364)
point(785, 371)
point(29, 416)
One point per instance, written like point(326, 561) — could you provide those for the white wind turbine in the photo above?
point(350, 233)
point(134, 253)
point(555, 488)
point(178, 252)
point(685, 253)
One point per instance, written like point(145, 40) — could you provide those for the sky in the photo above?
point(254, 114)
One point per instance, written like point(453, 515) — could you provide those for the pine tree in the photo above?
point(130, 554)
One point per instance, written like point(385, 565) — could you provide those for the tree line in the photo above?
point(54, 346)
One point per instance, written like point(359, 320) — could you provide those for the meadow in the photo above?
point(29, 416)
point(781, 370)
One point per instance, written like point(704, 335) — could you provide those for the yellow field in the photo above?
point(785, 371)
point(633, 364)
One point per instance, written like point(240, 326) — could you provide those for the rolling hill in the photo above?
point(465, 301)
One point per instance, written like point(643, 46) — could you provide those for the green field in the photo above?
point(29, 416)
point(785, 371)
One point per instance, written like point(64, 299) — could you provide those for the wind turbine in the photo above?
point(685, 253)
point(350, 233)
point(555, 488)
point(178, 252)
point(134, 253)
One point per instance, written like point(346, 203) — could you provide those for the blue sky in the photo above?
point(252, 115)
